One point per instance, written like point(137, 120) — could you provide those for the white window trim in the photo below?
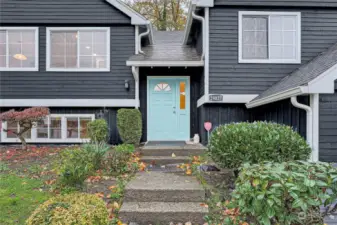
point(36, 67)
point(48, 56)
point(63, 138)
point(263, 13)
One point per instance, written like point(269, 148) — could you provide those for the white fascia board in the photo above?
point(136, 18)
point(166, 63)
point(227, 98)
point(324, 83)
point(278, 96)
point(68, 102)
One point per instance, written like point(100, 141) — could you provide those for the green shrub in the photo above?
point(95, 153)
point(233, 144)
point(129, 123)
point(284, 193)
point(79, 209)
point(118, 160)
point(98, 131)
point(73, 167)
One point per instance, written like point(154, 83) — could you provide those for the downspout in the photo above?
point(135, 72)
point(136, 39)
point(140, 39)
point(309, 122)
point(205, 52)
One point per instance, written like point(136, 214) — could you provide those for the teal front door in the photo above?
point(168, 101)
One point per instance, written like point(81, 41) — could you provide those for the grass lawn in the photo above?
point(19, 197)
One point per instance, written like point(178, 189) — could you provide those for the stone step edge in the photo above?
point(164, 207)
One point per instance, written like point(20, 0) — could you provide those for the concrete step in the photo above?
point(145, 213)
point(164, 160)
point(169, 151)
point(163, 187)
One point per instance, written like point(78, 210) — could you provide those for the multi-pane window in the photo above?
point(78, 49)
point(18, 48)
point(54, 128)
point(269, 37)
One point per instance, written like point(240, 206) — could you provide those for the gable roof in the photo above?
point(167, 50)
point(136, 18)
point(299, 78)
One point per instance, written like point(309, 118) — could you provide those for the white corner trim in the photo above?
point(63, 139)
point(324, 83)
point(36, 36)
point(226, 98)
point(297, 60)
point(166, 63)
point(277, 97)
point(314, 104)
point(77, 29)
point(136, 18)
point(68, 102)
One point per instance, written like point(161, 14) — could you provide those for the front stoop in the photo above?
point(161, 198)
point(167, 155)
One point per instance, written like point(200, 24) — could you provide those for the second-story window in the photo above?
point(269, 37)
point(18, 48)
point(78, 49)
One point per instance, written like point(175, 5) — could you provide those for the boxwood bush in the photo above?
point(79, 208)
point(283, 193)
point(98, 131)
point(129, 123)
point(233, 144)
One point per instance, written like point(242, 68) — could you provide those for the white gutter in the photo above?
point(309, 122)
point(140, 39)
point(198, 63)
point(278, 96)
point(202, 20)
point(136, 39)
point(135, 72)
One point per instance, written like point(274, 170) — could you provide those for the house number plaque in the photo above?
point(215, 98)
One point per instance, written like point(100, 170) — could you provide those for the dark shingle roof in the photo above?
point(167, 46)
point(304, 74)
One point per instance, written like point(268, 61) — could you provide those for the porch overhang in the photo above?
point(199, 63)
point(278, 96)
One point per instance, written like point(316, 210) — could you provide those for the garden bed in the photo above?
point(28, 178)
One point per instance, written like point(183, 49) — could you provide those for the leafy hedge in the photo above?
point(283, 193)
point(80, 209)
point(233, 144)
point(129, 123)
point(98, 131)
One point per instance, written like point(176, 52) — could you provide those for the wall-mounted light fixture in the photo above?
point(127, 85)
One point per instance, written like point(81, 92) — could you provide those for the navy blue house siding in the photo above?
point(227, 76)
point(43, 84)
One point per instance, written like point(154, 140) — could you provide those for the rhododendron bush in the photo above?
point(27, 119)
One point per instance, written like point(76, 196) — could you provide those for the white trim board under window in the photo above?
point(269, 37)
point(78, 49)
point(19, 48)
point(55, 128)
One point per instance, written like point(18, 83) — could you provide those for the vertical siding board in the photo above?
point(227, 76)
point(328, 127)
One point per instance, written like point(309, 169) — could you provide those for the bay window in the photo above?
point(269, 37)
point(18, 48)
point(78, 49)
point(56, 128)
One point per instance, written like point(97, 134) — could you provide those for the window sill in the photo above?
point(77, 70)
point(267, 61)
point(18, 69)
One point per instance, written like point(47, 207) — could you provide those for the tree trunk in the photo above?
point(23, 142)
